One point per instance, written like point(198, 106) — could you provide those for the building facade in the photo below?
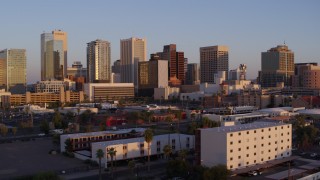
point(138, 147)
point(305, 76)
point(99, 61)
point(54, 51)
point(244, 145)
point(152, 74)
point(176, 63)
point(13, 72)
point(132, 51)
point(193, 74)
point(212, 60)
point(277, 67)
point(77, 70)
point(108, 91)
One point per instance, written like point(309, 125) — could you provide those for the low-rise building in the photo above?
point(108, 91)
point(165, 93)
point(138, 147)
point(244, 145)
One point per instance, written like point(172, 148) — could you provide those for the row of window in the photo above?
point(262, 145)
point(262, 130)
point(239, 141)
point(255, 161)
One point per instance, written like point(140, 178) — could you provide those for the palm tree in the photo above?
point(99, 155)
point(148, 136)
point(111, 152)
point(132, 165)
point(28, 109)
point(183, 154)
point(179, 115)
point(167, 150)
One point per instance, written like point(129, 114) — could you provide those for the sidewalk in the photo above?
point(157, 169)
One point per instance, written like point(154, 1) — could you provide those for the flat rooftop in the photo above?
point(99, 133)
point(243, 127)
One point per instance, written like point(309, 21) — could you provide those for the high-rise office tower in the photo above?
point(132, 51)
point(54, 50)
point(212, 60)
point(306, 75)
point(13, 70)
point(116, 68)
point(277, 67)
point(176, 62)
point(99, 61)
point(193, 74)
point(153, 73)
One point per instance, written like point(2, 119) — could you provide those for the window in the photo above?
point(158, 143)
point(275, 128)
point(262, 137)
point(281, 134)
point(269, 143)
point(142, 152)
point(288, 147)
point(261, 130)
point(276, 149)
point(247, 155)
point(239, 141)
point(288, 133)
point(255, 146)
point(231, 158)
point(125, 155)
point(158, 150)
point(231, 135)
point(288, 126)
point(254, 154)
point(261, 159)
point(275, 156)
point(255, 161)
point(247, 132)
point(239, 133)
point(288, 140)
point(231, 166)
point(288, 153)
point(124, 147)
point(239, 149)
point(269, 157)
point(239, 164)
point(231, 142)
point(247, 147)
point(269, 136)
point(231, 150)
point(275, 142)
point(281, 127)
point(281, 154)
point(247, 163)
point(261, 145)
point(269, 150)
point(239, 157)
point(269, 129)
point(141, 145)
point(254, 131)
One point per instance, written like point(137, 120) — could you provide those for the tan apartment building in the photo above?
point(244, 145)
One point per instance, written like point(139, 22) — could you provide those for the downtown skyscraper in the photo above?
point(54, 50)
point(13, 70)
point(176, 64)
point(132, 51)
point(277, 67)
point(212, 60)
point(99, 61)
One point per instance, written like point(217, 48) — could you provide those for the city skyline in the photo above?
point(247, 28)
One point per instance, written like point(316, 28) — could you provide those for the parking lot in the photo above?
point(29, 157)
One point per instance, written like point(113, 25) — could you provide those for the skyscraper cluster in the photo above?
point(169, 67)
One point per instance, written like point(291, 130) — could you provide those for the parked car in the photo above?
point(313, 155)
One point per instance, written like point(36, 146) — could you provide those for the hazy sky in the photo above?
point(247, 27)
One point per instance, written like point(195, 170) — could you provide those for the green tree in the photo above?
point(218, 172)
point(57, 120)
point(148, 136)
point(4, 130)
point(132, 165)
point(183, 154)
point(68, 145)
point(14, 131)
point(207, 123)
point(99, 155)
point(167, 150)
point(177, 168)
point(44, 127)
point(111, 152)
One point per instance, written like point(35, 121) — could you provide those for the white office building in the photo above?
point(137, 147)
